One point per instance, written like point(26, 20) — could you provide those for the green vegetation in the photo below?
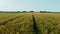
point(29, 23)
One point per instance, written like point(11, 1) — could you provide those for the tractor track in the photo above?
point(35, 28)
point(10, 20)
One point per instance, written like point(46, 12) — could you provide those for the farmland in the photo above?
point(29, 23)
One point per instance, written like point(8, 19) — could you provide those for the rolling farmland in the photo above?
point(29, 23)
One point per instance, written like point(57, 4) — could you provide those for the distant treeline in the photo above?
point(36, 11)
point(27, 12)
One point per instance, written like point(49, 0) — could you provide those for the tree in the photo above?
point(43, 11)
point(31, 11)
point(24, 11)
point(18, 11)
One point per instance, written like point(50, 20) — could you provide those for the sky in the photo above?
point(29, 5)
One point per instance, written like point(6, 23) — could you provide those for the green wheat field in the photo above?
point(29, 23)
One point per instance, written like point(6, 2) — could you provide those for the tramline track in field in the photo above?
point(35, 28)
point(10, 20)
point(24, 27)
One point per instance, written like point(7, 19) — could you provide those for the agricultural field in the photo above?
point(29, 23)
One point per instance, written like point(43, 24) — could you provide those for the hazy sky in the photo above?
point(36, 5)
